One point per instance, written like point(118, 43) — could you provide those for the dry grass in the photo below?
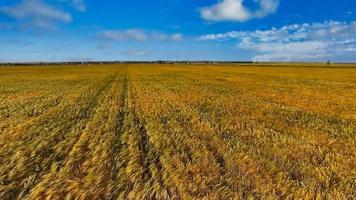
point(280, 131)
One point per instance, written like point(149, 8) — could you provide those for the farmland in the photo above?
point(144, 131)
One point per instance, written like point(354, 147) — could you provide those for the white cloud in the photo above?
point(138, 35)
point(136, 53)
point(231, 10)
point(120, 35)
point(159, 36)
point(235, 10)
point(298, 42)
point(176, 37)
point(79, 5)
point(293, 51)
point(267, 7)
point(36, 13)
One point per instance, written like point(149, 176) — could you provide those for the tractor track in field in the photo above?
point(148, 157)
point(117, 143)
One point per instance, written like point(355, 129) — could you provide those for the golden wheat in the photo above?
point(140, 131)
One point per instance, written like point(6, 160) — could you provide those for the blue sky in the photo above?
point(258, 30)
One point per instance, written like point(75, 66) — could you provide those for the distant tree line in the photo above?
point(125, 62)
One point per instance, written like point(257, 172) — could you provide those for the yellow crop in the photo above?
point(149, 131)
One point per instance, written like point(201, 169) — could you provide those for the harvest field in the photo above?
point(145, 131)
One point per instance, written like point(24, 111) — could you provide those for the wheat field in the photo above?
point(149, 131)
